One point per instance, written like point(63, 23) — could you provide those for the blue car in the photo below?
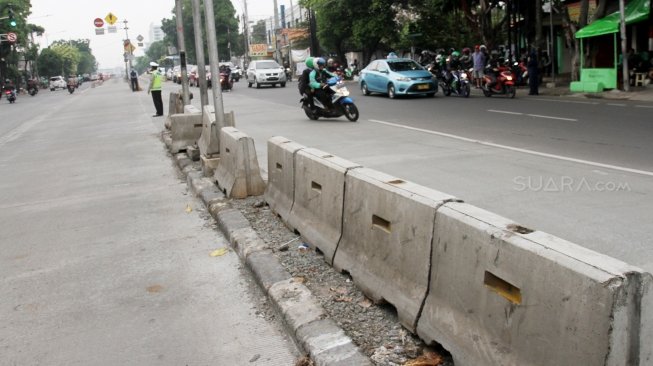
point(397, 76)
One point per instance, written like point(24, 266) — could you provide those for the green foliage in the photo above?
point(49, 63)
point(157, 51)
point(226, 28)
point(259, 34)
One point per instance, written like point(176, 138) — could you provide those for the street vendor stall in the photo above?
point(602, 72)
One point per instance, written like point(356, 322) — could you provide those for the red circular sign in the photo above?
point(12, 37)
point(98, 22)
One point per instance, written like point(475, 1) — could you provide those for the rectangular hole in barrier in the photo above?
point(316, 187)
point(200, 125)
point(396, 181)
point(503, 288)
point(381, 223)
point(279, 166)
point(227, 150)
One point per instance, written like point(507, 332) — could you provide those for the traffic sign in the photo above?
point(111, 19)
point(98, 22)
point(140, 38)
point(112, 29)
point(12, 37)
point(99, 31)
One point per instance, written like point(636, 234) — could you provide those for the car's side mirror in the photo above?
point(384, 71)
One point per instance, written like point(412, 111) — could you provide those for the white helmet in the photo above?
point(154, 64)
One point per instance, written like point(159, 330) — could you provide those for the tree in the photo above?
point(259, 34)
point(8, 56)
point(49, 63)
point(157, 51)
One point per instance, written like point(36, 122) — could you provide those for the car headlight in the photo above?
point(403, 79)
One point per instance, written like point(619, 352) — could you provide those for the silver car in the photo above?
point(265, 72)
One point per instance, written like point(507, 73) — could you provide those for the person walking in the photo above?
point(133, 77)
point(533, 73)
point(155, 89)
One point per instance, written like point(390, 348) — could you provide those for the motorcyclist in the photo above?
point(492, 69)
point(72, 81)
point(317, 82)
point(453, 66)
point(303, 81)
point(9, 85)
point(466, 61)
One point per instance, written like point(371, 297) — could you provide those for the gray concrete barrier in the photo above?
point(238, 173)
point(319, 198)
point(209, 143)
point(503, 295)
point(280, 190)
point(386, 239)
point(175, 106)
point(185, 130)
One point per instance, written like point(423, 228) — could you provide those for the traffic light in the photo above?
point(12, 20)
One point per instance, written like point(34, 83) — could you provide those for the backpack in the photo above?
point(302, 82)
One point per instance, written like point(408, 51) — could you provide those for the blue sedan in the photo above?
point(398, 76)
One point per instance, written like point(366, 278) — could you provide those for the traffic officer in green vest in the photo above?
point(155, 88)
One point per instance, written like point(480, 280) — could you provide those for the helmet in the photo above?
point(318, 62)
point(309, 62)
point(392, 55)
point(154, 64)
point(330, 62)
point(466, 50)
point(455, 54)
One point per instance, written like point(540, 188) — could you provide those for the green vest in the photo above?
point(156, 80)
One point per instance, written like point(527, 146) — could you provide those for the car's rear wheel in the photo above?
point(391, 91)
point(364, 88)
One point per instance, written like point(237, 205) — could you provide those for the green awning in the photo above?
point(636, 11)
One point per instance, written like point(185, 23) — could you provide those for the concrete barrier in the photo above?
point(173, 108)
point(501, 294)
point(280, 190)
point(319, 198)
point(209, 143)
point(185, 130)
point(238, 173)
point(386, 239)
point(190, 109)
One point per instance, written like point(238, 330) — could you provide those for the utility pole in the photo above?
point(275, 29)
point(199, 53)
point(128, 55)
point(292, 16)
point(246, 21)
point(624, 49)
point(213, 57)
point(182, 52)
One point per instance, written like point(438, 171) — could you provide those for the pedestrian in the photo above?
point(133, 77)
point(155, 89)
point(533, 73)
point(479, 65)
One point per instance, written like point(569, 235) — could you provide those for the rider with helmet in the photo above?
point(466, 61)
point(493, 68)
point(452, 67)
point(317, 81)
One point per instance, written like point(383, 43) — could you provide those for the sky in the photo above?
point(73, 19)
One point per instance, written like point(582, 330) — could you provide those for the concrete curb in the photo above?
point(325, 342)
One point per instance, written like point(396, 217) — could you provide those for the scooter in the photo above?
point(505, 84)
point(71, 88)
point(226, 83)
point(342, 103)
point(32, 90)
point(11, 95)
point(459, 84)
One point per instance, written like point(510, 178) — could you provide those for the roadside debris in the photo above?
point(219, 252)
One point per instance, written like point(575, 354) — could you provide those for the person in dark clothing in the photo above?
point(317, 82)
point(533, 73)
point(133, 77)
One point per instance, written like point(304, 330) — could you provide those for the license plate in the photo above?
point(422, 87)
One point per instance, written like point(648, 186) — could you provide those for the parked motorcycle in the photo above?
point(11, 95)
point(505, 84)
point(458, 84)
point(342, 103)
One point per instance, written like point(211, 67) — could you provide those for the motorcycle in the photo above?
point(288, 74)
point(71, 88)
point(505, 84)
point(459, 84)
point(342, 103)
point(226, 83)
point(520, 73)
point(11, 95)
point(32, 90)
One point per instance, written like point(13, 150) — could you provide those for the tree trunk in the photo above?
point(572, 42)
point(600, 9)
point(539, 42)
point(584, 10)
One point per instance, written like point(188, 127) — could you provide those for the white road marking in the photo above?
point(616, 104)
point(644, 106)
point(516, 149)
point(565, 101)
point(550, 117)
point(504, 112)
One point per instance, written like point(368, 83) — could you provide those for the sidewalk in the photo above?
point(561, 88)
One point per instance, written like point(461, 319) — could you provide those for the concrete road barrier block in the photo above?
point(209, 142)
point(185, 130)
point(238, 173)
point(386, 239)
point(501, 294)
point(172, 108)
point(319, 198)
point(280, 190)
point(191, 109)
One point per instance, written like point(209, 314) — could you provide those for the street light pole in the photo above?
point(182, 52)
point(127, 47)
point(624, 50)
point(213, 58)
point(199, 53)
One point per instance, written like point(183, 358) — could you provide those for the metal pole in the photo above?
point(182, 52)
point(127, 65)
point(552, 57)
point(624, 46)
point(213, 58)
point(199, 53)
point(247, 58)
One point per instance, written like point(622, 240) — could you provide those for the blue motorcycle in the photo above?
point(342, 103)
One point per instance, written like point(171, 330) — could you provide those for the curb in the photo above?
point(319, 337)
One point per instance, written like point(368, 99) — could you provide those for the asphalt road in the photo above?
point(577, 168)
point(104, 254)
